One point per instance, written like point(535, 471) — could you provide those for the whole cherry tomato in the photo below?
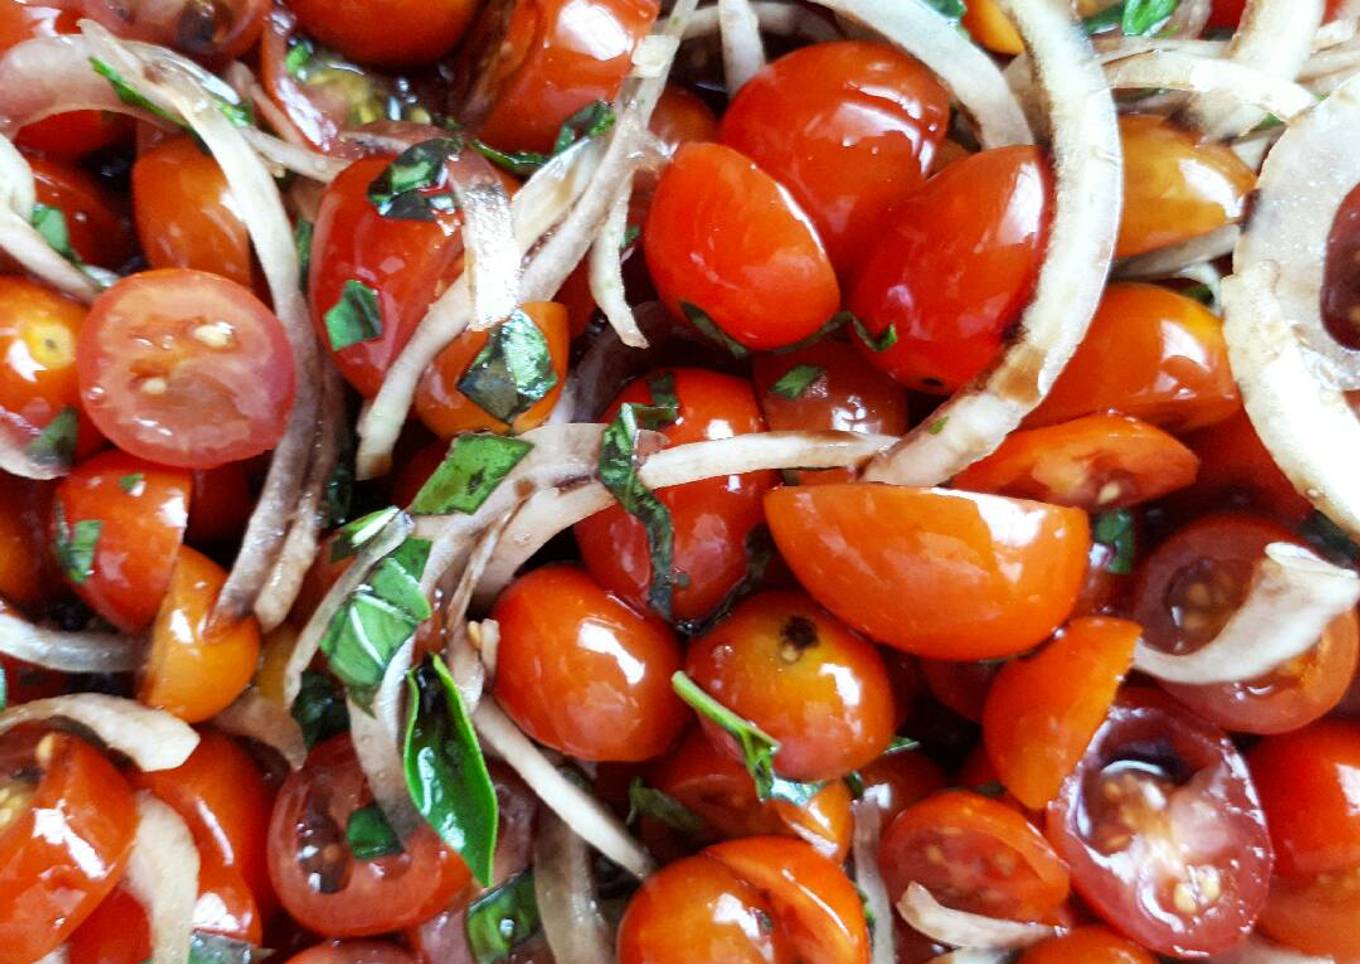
point(390, 33)
point(943, 574)
point(95, 222)
point(219, 30)
point(1087, 945)
point(849, 127)
point(681, 117)
point(952, 272)
point(725, 239)
point(900, 778)
point(353, 952)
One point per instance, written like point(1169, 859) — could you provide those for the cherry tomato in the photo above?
point(66, 830)
point(534, 63)
point(803, 677)
point(955, 268)
point(897, 780)
point(186, 215)
point(446, 411)
point(353, 952)
point(1163, 830)
point(712, 519)
point(849, 127)
point(680, 118)
point(117, 523)
point(25, 682)
point(1340, 282)
point(95, 223)
point(1227, 13)
point(392, 33)
point(942, 574)
point(116, 933)
point(1087, 945)
point(1175, 186)
point(221, 504)
point(220, 30)
point(1235, 465)
point(973, 854)
point(1150, 353)
point(1043, 709)
point(185, 368)
point(582, 672)
point(990, 26)
point(1096, 463)
point(724, 237)
point(962, 687)
point(321, 884)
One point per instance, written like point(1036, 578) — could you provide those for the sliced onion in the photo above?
point(162, 873)
point(287, 156)
point(868, 822)
point(60, 955)
point(1189, 19)
point(486, 637)
point(743, 50)
point(782, 19)
point(565, 890)
point(464, 659)
point(52, 75)
point(972, 955)
point(958, 928)
point(152, 739)
point(1228, 80)
point(256, 717)
point(1166, 262)
point(491, 254)
point(1088, 192)
point(68, 652)
point(377, 737)
point(1258, 950)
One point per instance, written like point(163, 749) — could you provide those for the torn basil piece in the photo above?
point(518, 163)
point(952, 10)
point(513, 372)
point(445, 771)
point(303, 233)
point(474, 466)
point(592, 120)
point(207, 948)
point(355, 317)
point(875, 343)
point(937, 426)
point(796, 381)
point(75, 545)
point(50, 222)
point(132, 483)
point(55, 446)
point(369, 835)
point(320, 709)
point(415, 186)
point(502, 919)
point(353, 535)
point(1116, 530)
point(709, 329)
point(222, 96)
point(645, 801)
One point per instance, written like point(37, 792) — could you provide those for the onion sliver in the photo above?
point(162, 873)
point(868, 827)
point(1238, 83)
point(68, 652)
point(255, 716)
point(152, 739)
point(958, 928)
point(1257, 950)
point(565, 890)
point(972, 955)
point(377, 738)
point(743, 51)
point(1088, 193)
point(1166, 262)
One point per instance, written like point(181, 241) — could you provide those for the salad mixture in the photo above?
point(592, 481)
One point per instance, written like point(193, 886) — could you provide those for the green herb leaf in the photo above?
point(710, 330)
point(303, 232)
point(855, 781)
point(56, 443)
point(645, 801)
point(797, 380)
point(4, 689)
point(630, 236)
point(502, 919)
point(1144, 17)
point(875, 343)
point(353, 535)
point(355, 317)
point(592, 120)
point(1116, 530)
point(518, 163)
point(512, 372)
point(445, 772)
point(415, 186)
point(369, 834)
point(50, 222)
point(132, 482)
point(992, 788)
point(223, 97)
point(75, 545)
point(901, 744)
point(950, 9)
point(937, 426)
point(320, 708)
point(474, 466)
point(299, 56)
point(215, 949)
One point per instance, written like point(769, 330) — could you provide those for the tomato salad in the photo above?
point(827, 482)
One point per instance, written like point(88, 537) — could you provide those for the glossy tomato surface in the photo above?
point(1087, 945)
point(391, 33)
point(96, 221)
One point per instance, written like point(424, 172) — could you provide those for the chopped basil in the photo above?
point(502, 919)
point(303, 233)
point(4, 689)
point(937, 426)
point(355, 317)
point(901, 744)
point(1133, 18)
point(369, 834)
point(354, 534)
point(710, 330)
point(512, 372)
point(50, 222)
point(445, 772)
point(415, 186)
point(223, 97)
point(797, 380)
point(881, 342)
point(662, 387)
point(215, 949)
point(518, 163)
point(992, 788)
point(630, 236)
point(339, 491)
point(75, 545)
point(645, 801)
point(320, 708)
point(56, 444)
point(759, 553)
point(1116, 530)
point(299, 56)
point(475, 465)
point(132, 483)
point(950, 9)
point(592, 120)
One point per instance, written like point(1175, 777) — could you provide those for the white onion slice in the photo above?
point(868, 824)
point(781, 19)
point(256, 717)
point(1258, 950)
point(958, 928)
point(60, 955)
point(606, 273)
point(152, 739)
point(1166, 262)
point(972, 955)
point(463, 658)
point(377, 738)
point(1088, 192)
point(564, 888)
point(743, 51)
point(52, 75)
point(1234, 82)
point(162, 873)
point(68, 652)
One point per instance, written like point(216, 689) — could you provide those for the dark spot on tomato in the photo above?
point(796, 635)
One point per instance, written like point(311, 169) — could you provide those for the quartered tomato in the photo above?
point(95, 222)
point(219, 30)
point(1087, 945)
point(1163, 829)
point(161, 348)
point(389, 33)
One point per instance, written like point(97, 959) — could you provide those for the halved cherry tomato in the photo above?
point(956, 266)
point(222, 29)
point(96, 224)
point(712, 519)
point(849, 127)
point(117, 524)
point(1163, 830)
point(897, 780)
point(803, 677)
point(116, 933)
point(1340, 279)
point(943, 574)
point(724, 237)
point(161, 348)
point(390, 33)
point(353, 952)
point(324, 886)
point(1087, 945)
point(1235, 465)
point(1042, 710)
point(973, 854)
point(66, 830)
point(582, 672)
point(25, 682)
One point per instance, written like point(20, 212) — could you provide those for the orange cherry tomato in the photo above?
point(849, 127)
point(712, 518)
point(1150, 353)
point(1235, 465)
point(724, 237)
point(446, 411)
point(219, 30)
point(680, 118)
point(1096, 462)
point(942, 574)
point(955, 268)
point(353, 952)
point(186, 215)
point(391, 33)
point(1175, 187)
point(1042, 710)
point(803, 677)
point(973, 854)
point(990, 26)
point(895, 781)
point(65, 834)
point(95, 223)
point(1087, 945)
point(116, 933)
point(582, 672)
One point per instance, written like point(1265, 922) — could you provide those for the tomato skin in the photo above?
point(64, 850)
point(1087, 945)
point(97, 225)
point(222, 31)
point(1315, 915)
point(221, 503)
point(849, 127)
point(937, 573)
point(724, 236)
point(353, 952)
point(142, 526)
point(962, 687)
point(895, 781)
point(681, 117)
point(582, 672)
point(116, 933)
point(1234, 463)
point(1042, 710)
point(391, 33)
point(955, 268)
point(712, 518)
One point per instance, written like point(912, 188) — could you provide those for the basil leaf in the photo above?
point(303, 232)
point(56, 443)
point(320, 708)
point(512, 372)
point(502, 919)
point(710, 330)
point(949, 9)
point(992, 788)
point(369, 834)
point(900, 744)
point(518, 163)
point(415, 186)
point(937, 426)
point(1116, 530)
point(475, 465)
point(50, 222)
point(132, 482)
point(875, 343)
point(662, 388)
point(645, 801)
point(4, 689)
point(223, 97)
point(592, 120)
point(299, 56)
point(353, 535)
point(355, 317)
point(75, 545)
point(630, 236)
point(215, 949)
point(445, 772)
point(1144, 17)
point(797, 380)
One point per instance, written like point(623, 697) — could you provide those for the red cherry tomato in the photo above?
point(1234, 465)
point(955, 268)
point(948, 575)
point(221, 504)
point(29, 575)
point(1163, 830)
point(185, 368)
point(391, 33)
point(1315, 915)
point(219, 30)
point(724, 237)
point(849, 127)
point(680, 118)
point(116, 933)
point(95, 222)
point(897, 780)
point(962, 687)
point(1087, 945)
point(353, 952)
